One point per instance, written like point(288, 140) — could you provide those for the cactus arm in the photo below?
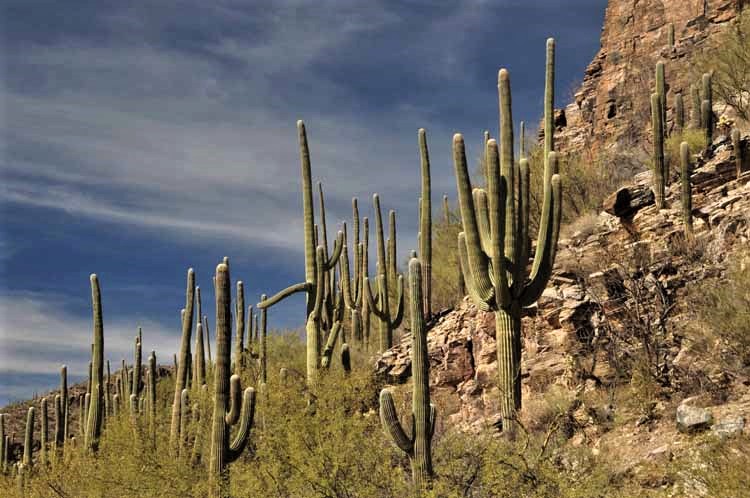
point(425, 221)
point(337, 247)
point(391, 266)
point(523, 242)
point(433, 420)
point(323, 225)
point(239, 443)
point(507, 171)
point(477, 261)
point(235, 400)
point(283, 294)
point(391, 424)
point(181, 377)
point(346, 282)
point(483, 220)
point(498, 184)
point(466, 272)
point(330, 344)
point(396, 321)
point(307, 207)
point(539, 280)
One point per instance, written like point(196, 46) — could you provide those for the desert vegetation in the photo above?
point(242, 410)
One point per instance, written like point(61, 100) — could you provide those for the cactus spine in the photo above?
point(425, 223)
point(687, 198)
point(659, 166)
point(182, 364)
point(418, 446)
point(226, 409)
point(738, 155)
point(494, 245)
point(96, 402)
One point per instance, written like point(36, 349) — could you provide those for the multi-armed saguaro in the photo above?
point(227, 392)
point(418, 446)
point(380, 305)
point(494, 246)
point(314, 270)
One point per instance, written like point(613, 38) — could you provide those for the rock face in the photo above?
point(611, 108)
point(621, 277)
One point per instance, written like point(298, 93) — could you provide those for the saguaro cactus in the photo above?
point(418, 446)
point(381, 305)
point(43, 432)
point(96, 402)
point(707, 112)
point(226, 409)
point(494, 245)
point(425, 223)
point(310, 285)
point(679, 112)
point(661, 90)
point(670, 35)
point(61, 426)
point(738, 152)
point(182, 364)
point(695, 116)
point(687, 198)
point(659, 167)
point(28, 440)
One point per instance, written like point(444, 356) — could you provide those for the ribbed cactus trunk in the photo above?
point(687, 197)
point(670, 35)
point(657, 126)
point(183, 362)
point(679, 113)
point(661, 90)
point(695, 116)
point(43, 432)
point(62, 426)
point(425, 223)
point(28, 440)
point(240, 328)
point(707, 113)
point(226, 409)
point(419, 446)
point(152, 395)
point(494, 247)
point(96, 403)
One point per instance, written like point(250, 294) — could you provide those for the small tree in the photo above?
point(729, 60)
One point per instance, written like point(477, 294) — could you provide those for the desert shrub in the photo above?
point(721, 325)
point(696, 140)
point(728, 57)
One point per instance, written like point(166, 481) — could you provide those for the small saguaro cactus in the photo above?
point(43, 431)
point(181, 370)
point(738, 152)
point(263, 346)
point(494, 246)
point(679, 112)
point(226, 402)
point(152, 393)
point(695, 115)
point(95, 407)
point(425, 223)
point(687, 197)
point(659, 166)
point(418, 446)
point(670, 35)
point(28, 440)
point(62, 428)
point(239, 348)
point(707, 113)
point(386, 272)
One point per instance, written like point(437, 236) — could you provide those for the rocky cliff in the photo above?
point(610, 112)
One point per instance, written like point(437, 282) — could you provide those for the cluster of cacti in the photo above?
point(495, 246)
point(418, 445)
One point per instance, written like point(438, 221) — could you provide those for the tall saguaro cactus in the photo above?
point(28, 440)
point(661, 91)
point(96, 403)
point(226, 409)
point(707, 113)
point(311, 285)
point(659, 167)
point(494, 245)
point(738, 152)
point(425, 223)
point(418, 446)
point(183, 363)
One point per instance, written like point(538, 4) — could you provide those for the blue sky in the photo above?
point(143, 138)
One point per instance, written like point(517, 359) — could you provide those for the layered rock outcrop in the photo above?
point(610, 112)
